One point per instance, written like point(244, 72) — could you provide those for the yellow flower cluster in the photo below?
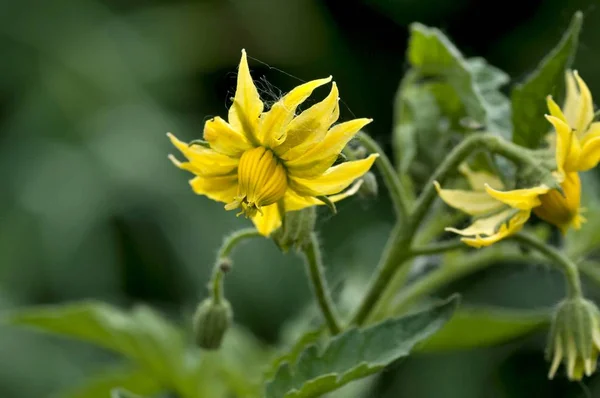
point(268, 162)
point(498, 213)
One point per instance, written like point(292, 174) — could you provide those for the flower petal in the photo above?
point(489, 230)
point(478, 179)
point(585, 108)
point(268, 221)
point(272, 126)
point(310, 126)
point(470, 202)
point(223, 138)
point(294, 202)
point(522, 199)
point(203, 161)
point(590, 148)
point(567, 146)
point(572, 99)
point(221, 189)
point(333, 180)
point(247, 106)
point(321, 156)
point(555, 109)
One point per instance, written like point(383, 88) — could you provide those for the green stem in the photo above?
point(390, 177)
point(559, 259)
point(437, 247)
point(314, 268)
point(448, 273)
point(229, 243)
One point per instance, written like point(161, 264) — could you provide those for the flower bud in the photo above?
point(296, 229)
point(211, 321)
point(574, 338)
point(369, 187)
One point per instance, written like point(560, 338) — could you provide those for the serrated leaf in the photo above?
point(470, 84)
point(291, 356)
point(101, 385)
point(356, 353)
point(480, 327)
point(529, 98)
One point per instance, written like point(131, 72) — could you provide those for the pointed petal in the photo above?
point(333, 180)
point(268, 221)
point(555, 109)
point(470, 202)
point(294, 202)
point(273, 123)
point(310, 126)
point(478, 179)
point(522, 199)
point(203, 161)
point(572, 100)
point(222, 188)
point(223, 138)
point(556, 358)
point(247, 106)
point(486, 230)
point(590, 151)
point(321, 156)
point(567, 146)
point(585, 112)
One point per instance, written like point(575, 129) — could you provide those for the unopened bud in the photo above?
point(296, 229)
point(211, 321)
point(369, 187)
point(574, 338)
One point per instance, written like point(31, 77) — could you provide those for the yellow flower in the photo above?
point(496, 214)
point(577, 135)
point(267, 162)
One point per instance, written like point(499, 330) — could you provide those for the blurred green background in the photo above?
point(90, 206)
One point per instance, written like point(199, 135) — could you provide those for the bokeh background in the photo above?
point(90, 207)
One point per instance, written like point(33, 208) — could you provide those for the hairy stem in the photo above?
point(559, 259)
point(390, 177)
point(437, 247)
point(314, 268)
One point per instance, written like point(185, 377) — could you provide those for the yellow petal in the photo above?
point(310, 126)
point(294, 202)
point(470, 202)
point(489, 230)
point(224, 139)
point(585, 111)
point(203, 161)
point(567, 146)
point(268, 221)
point(572, 100)
point(522, 199)
point(333, 180)
point(563, 210)
point(478, 179)
point(221, 189)
point(590, 148)
point(271, 131)
point(247, 106)
point(555, 109)
point(322, 155)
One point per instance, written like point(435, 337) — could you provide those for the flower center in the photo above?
point(262, 181)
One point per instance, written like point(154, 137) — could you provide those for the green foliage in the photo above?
point(443, 93)
point(484, 326)
point(163, 359)
point(356, 353)
point(528, 98)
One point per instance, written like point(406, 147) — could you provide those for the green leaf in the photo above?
point(480, 327)
point(291, 356)
point(529, 97)
point(141, 335)
point(100, 386)
point(471, 85)
point(122, 393)
point(356, 353)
